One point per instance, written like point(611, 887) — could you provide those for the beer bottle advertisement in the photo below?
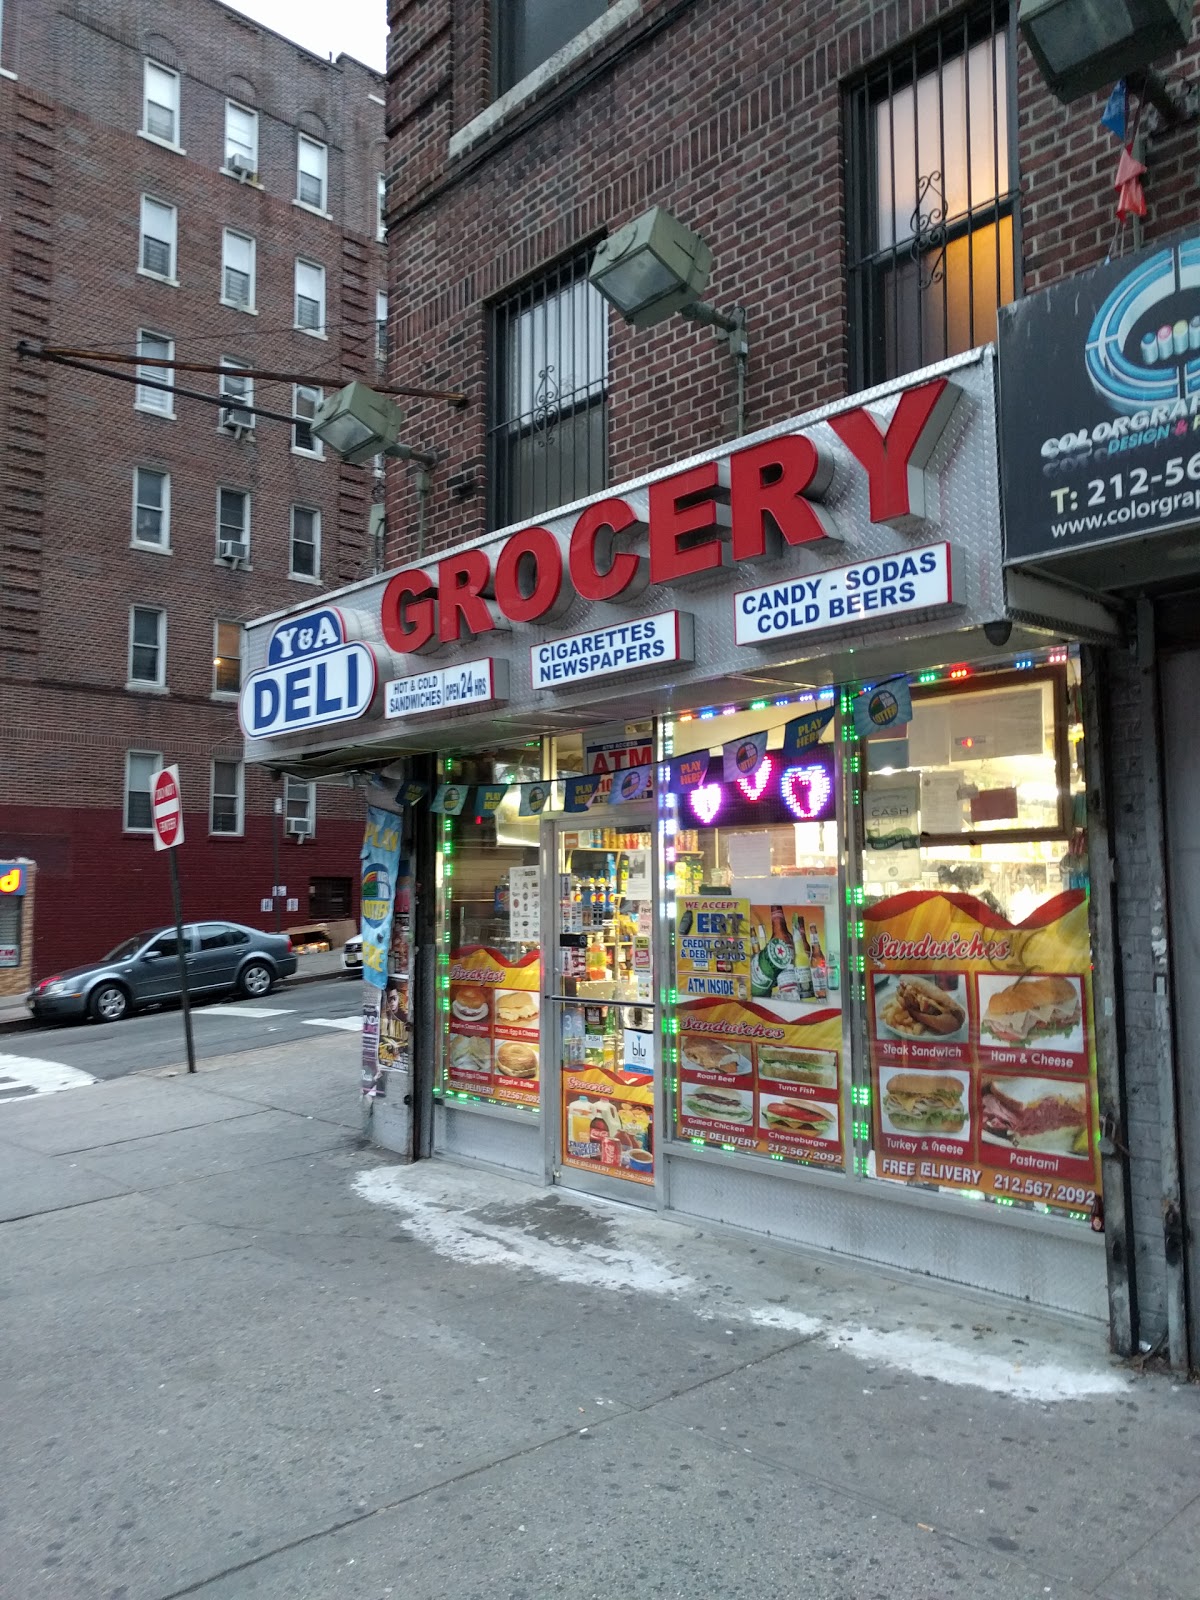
point(759, 1049)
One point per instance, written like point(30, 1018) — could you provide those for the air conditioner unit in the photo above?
point(237, 421)
point(242, 169)
point(299, 831)
point(231, 550)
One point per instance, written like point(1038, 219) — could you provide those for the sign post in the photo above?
point(166, 810)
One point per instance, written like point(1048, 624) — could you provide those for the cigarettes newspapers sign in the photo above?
point(473, 683)
point(1110, 449)
point(887, 586)
point(628, 647)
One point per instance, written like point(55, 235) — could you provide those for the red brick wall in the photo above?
point(728, 112)
point(69, 234)
point(96, 885)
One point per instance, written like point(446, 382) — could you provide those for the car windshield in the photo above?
point(130, 947)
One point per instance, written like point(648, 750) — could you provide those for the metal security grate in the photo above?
point(931, 187)
point(548, 439)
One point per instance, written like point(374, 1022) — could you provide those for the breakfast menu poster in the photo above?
point(493, 1025)
point(762, 1076)
point(983, 1063)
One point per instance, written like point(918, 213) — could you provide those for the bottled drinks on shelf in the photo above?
point(597, 963)
point(820, 979)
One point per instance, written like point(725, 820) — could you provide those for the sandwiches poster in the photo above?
point(982, 1053)
point(493, 1025)
point(762, 1076)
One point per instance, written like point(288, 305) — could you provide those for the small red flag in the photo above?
point(1131, 201)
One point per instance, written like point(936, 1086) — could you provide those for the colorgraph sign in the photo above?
point(1109, 448)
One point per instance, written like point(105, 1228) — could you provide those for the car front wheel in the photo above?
point(108, 1003)
point(256, 980)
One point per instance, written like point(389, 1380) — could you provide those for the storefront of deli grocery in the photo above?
point(726, 850)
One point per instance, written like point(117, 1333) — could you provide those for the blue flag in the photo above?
point(581, 792)
point(884, 708)
point(801, 733)
point(1116, 111)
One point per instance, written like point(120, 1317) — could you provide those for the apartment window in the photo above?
point(381, 213)
point(299, 806)
point(312, 172)
point(226, 803)
point(381, 326)
point(529, 31)
point(159, 234)
point(227, 657)
point(305, 402)
point(160, 103)
point(152, 508)
point(237, 270)
point(241, 138)
point(238, 389)
point(152, 347)
point(306, 542)
point(140, 767)
point(147, 646)
point(233, 525)
point(310, 297)
point(548, 434)
point(931, 195)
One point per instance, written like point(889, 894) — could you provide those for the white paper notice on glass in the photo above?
point(637, 886)
point(892, 810)
point(941, 808)
point(749, 854)
point(524, 916)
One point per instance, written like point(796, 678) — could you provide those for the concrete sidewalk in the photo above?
point(245, 1357)
point(310, 968)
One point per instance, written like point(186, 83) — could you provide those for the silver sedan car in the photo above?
point(147, 970)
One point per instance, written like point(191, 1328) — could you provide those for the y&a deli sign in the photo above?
point(314, 675)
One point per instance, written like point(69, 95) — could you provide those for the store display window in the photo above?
point(975, 946)
point(489, 966)
point(753, 860)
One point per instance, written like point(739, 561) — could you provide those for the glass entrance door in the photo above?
point(605, 1039)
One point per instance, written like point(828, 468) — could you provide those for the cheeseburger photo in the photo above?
point(924, 1102)
point(798, 1116)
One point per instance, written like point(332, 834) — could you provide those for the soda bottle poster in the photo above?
point(983, 1072)
point(381, 868)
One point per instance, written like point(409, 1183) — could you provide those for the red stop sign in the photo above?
point(166, 809)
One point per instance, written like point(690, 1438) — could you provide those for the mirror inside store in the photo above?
point(489, 920)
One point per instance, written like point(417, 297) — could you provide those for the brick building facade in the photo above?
point(177, 182)
point(760, 127)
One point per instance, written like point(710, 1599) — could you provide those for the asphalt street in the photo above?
point(228, 1026)
point(247, 1357)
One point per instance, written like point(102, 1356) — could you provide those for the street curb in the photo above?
point(24, 1023)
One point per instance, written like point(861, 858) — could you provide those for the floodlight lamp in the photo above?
point(358, 423)
point(651, 268)
point(1084, 45)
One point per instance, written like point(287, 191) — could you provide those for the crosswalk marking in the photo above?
point(22, 1076)
point(244, 1011)
point(350, 1024)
